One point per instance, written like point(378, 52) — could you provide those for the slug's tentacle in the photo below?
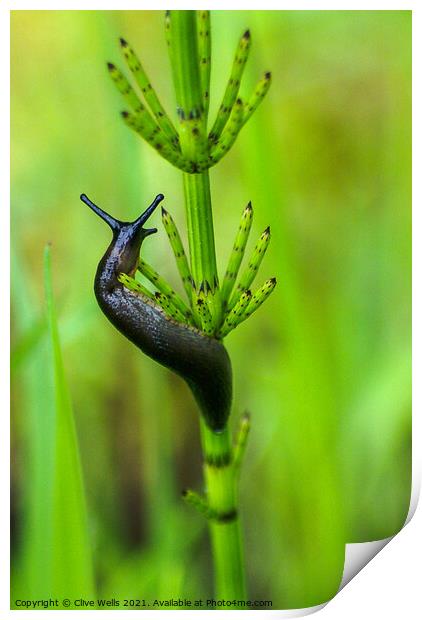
point(200, 360)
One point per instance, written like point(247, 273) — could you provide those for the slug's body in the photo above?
point(202, 361)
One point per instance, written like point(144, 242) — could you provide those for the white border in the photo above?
point(389, 586)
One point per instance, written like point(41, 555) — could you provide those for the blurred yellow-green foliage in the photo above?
point(323, 367)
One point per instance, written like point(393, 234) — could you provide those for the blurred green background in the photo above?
point(323, 367)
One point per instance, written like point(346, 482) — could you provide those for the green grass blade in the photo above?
point(71, 557)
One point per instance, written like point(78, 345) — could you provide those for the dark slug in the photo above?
point(201, 361)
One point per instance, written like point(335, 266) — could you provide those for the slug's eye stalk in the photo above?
point(116, 225)
point(147, 213)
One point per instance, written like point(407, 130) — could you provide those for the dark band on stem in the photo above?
point(226, 517)
point(218, 461)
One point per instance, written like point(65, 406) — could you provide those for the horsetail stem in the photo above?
point(179, 252)
point(252, 268)
point(169, 308)
point(257, 96)
point(137, 70)
point(134, 285)
point(125, 89)
point(237, 253)
point(236, 314)
point(162, 285)
point(232, 89)
point(204, 50)
point(152, 133)
point(260, 296)
point(189, 46)
point(241, 441)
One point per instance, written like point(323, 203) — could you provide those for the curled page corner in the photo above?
point(358, 555)
point(284, 613)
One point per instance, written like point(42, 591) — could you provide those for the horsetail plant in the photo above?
point(210, 311)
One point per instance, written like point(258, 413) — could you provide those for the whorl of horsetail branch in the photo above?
point(134, 285)
point(257, 96)
point(137, 70)
point(237, 253)
point(260, 296)
point(179, 252)
point(153, 134)
point(162, 285)
point(169, 308)
point(204, 313)
point(251, 270)
point(229, 135)
point(213, 301)
point(199, 503)
point(236, 314)
point(204, 50)
point(232, 89)
point(198, 141)
point(241, 441)
point(125, 89)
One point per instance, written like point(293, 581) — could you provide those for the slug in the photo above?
point(200, 360)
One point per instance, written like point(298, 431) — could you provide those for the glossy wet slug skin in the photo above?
point(201, 361)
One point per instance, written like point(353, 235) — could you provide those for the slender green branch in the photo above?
point(169, 307)
point(237, 253)
point(230, 133)
point(257, 96)
point(135, 286)
point(204, 49)
point(179, 252)
point(236, 314)
point(232, 89)
point(241, 441)
point(149, 93)
point(163, 286)
point(251, 270)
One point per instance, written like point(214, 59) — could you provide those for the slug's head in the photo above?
point(123, 252)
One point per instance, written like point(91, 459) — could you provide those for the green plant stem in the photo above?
point(219, 473)
point(193, 136)
point(200, 227)
point(221, 487)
